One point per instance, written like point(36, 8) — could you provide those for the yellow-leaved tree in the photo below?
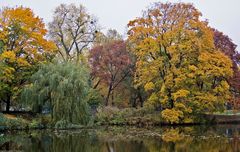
point(23, 47)
point(177, 62)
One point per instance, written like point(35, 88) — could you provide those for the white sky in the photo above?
point(223, 15)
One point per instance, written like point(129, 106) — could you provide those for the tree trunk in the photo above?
point(8, 104)
point(134, 101)
point(108, 95)
point(96, 85)
point(112, 98)
point(140, 97)
point(39, 109)
point(77, 60)
point(170, 99)
point(171, 103)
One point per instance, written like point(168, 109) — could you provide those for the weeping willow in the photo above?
point(65, 87)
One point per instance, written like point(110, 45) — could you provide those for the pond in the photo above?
point(225, 138)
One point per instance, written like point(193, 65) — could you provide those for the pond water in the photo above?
point(221, 138)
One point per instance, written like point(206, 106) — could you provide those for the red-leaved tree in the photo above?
point(111, 64)
point(225, 44)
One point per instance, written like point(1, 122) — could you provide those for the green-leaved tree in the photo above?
point(65, 87)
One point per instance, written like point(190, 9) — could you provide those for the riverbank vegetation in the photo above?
point(171, 69)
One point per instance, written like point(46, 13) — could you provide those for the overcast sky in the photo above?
point(222, 14)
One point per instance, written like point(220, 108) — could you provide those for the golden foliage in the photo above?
point(172, 115)
point(23, 37)
point(149, 86)
point(177, 62)
point(23, 46)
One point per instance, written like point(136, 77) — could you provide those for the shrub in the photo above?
point(128, 116)
point(16, 123)
point(94, 98)
point(106, 114)
point(35, 124)
point(64, 124)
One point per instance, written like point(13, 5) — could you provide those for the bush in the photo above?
point(106, 114)
point(128, 116)
point(35, 124)
point(94, 98)
point(64, 124)
point(15, 123)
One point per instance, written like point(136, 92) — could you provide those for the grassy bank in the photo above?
point(20, 122)
point(111, 116)
point(139, 117)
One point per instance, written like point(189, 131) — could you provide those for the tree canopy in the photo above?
point(177, 62)
point(73, 30)
point(111, 64)
point(225, 45)
point(172, 65)
point(22, 47)
point(65, 87)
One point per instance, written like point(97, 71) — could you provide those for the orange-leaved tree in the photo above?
point(23, 48)
point(177, 62)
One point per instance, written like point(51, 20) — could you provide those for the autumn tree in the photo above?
point(125, 94)
point(225, 45)
point(177, 62)
point(22, 48)
point(110, 63)
point(73, 30)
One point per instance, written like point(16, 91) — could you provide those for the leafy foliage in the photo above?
point(225, 45)
point(94, 98)
point(65, 86)
point(110, 64)
point(177, 61)
point(172, 115)
point(22, 47)
point(129, 116)
point(171, 59)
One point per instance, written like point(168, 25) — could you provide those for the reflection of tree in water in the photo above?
point(9, 146)
point(175, 139)
point(172, 135)
point(163, 139)
point(126, 146)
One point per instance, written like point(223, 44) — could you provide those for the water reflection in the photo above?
point(170, 139)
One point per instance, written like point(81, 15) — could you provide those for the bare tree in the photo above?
point(73, 30)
